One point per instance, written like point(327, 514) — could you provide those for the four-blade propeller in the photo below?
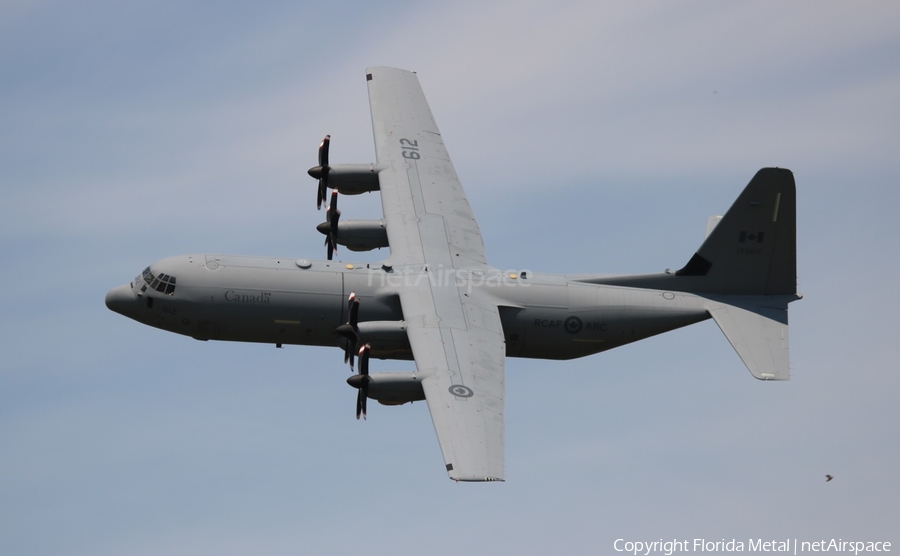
point(332, 215)
point(350, 330)
point(361, 381)
point(320, 172)
point(330, 226)
point(350, 333)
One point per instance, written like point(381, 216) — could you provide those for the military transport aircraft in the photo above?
point(436, 299)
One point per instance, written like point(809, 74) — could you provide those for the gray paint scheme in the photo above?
point(437, 301)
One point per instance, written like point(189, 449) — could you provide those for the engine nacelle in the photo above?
point(395, 388)
point(358, 235)
point(353, 179)
point(387, 338)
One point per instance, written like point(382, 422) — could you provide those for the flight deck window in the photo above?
point(163, 284)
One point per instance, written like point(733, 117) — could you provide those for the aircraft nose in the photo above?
point(120, 299)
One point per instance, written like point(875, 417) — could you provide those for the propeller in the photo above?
point(361, 381)
point(320, 172)
point(330, 226)
point(350, 330)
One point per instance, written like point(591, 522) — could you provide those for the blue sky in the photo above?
point(590, 137)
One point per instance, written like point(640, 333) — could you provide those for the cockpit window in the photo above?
point(162, 283)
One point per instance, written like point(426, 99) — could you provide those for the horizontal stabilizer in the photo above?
point(758, 331)
point(711, 224)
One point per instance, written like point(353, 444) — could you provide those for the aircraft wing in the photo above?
point(459, 352)
point(455, 332)
point(427, 214)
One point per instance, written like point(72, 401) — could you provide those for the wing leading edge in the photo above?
point(455, 332)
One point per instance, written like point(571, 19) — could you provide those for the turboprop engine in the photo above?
point(351, 179)
point(388, 388)
point(391, 388)
point(356, 235)
point(348, 179)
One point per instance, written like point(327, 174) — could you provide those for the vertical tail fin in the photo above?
point(746, 271)
point(752, 250)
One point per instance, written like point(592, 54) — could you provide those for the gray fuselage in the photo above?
point(286, 301)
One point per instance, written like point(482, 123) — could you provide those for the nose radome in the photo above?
point(120, 299)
